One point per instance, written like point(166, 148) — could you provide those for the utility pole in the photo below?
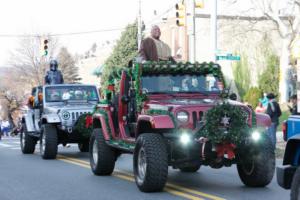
point(192, 38)
point(213, 29)
point(139, 36)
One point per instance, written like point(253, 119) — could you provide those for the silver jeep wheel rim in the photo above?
point(43, 143)
point(95, 152)
point(142, 165)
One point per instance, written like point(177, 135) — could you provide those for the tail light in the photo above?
point(284, 130)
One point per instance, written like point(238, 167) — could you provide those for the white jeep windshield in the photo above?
point(65, 93)
point(181, 83)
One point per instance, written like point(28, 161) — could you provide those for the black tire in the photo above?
point(102, 156)
point(27, 142)
point(48, 141)
point(150, 162)
point(190, 169)
point(256, 165)
point(295, 193)
point(83, 146)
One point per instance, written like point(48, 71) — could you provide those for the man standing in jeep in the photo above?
point(54, 76)
point(153, 49)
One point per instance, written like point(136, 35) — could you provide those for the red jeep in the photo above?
point(177, 115)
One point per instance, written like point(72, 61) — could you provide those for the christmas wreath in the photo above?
point(225, 123)
point(84, 125)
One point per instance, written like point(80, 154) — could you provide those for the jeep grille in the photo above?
point(75, 115)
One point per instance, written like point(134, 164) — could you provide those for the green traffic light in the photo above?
point(45, 53)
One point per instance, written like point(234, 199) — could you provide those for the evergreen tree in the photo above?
point(67, 65)
point(125, 50)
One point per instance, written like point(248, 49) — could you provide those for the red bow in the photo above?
point(88, 121)
point(225, 148)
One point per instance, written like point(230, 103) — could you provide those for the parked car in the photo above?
point(288, 174)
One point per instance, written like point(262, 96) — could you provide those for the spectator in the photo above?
point(274, 111)
point(233, 97)
point(264, 101)
point(260, 108)
point(5, 126)
point(293, 109)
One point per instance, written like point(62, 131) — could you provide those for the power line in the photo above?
point(66, 34)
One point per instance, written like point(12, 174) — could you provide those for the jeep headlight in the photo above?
point(255, 136)
point(52, 110)
point(185, 138)
point(182, 116)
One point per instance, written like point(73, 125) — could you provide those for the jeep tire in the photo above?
point(256, 169)
point(48, 141)
point(190, 169)
point(102, 156)
point(150, 162)
point(83, 146)
point(27, 142)
point(295, 189)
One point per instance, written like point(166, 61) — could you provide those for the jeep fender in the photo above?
point(99, 122)
point(154, 122)
point(263, 120)
point(292, 151)
point(28, 120)
point(50, 118)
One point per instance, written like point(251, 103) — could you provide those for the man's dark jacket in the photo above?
point(274, 111)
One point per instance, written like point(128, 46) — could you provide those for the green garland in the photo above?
point(80, 126)
point(162, 112)
point(163, 67)
point(235, 132)
point(140, 98)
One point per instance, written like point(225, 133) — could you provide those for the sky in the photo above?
point(18, 17)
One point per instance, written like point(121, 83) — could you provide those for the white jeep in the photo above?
point(58, 117)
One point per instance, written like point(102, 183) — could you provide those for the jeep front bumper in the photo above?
point(285, 174)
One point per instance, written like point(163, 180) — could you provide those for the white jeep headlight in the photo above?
point(255, 136)
point(185, 138)
point(182, 116)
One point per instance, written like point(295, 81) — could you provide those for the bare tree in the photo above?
point(28, 58)
point(12, 94)
point(285, 15)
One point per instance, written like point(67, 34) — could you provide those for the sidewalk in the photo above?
point(280, 142)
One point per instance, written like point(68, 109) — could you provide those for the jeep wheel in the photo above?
point(83, 146)
point(150, 162)
point(27, 142)
point(102, 156)
point(295, 193)
point(256, 169)
point(191, 169)
point(48, 142)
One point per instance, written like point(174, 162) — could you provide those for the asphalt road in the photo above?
point(28, 177)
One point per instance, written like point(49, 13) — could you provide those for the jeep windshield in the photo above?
point(204, 84)
point(71, 93)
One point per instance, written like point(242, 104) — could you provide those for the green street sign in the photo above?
point(228, 57)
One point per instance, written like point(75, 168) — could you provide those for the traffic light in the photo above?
point(199, 4)
point(45, 47)
point(180, 14)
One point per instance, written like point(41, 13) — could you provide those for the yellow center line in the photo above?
point(170, 187)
